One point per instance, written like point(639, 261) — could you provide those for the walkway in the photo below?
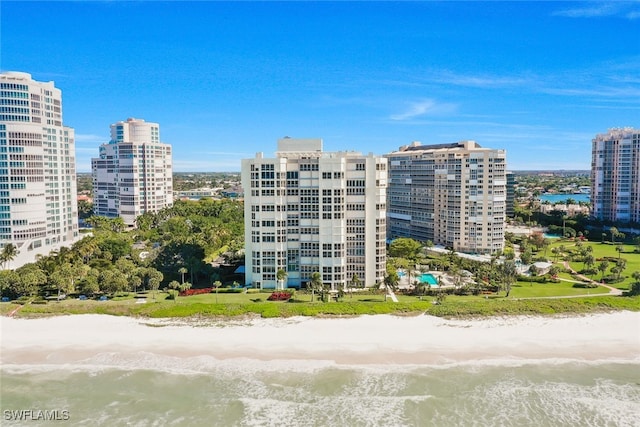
point(612, 290)
point(392, 295)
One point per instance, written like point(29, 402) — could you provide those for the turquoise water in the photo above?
point(428, 278)
point(401, 274)
point(561, 198)
point(143, 389)
point(552, 236)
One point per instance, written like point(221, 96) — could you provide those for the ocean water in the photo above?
point(146, 389)
point(561, 198)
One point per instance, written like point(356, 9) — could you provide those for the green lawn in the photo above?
point(532, 290)
point(255, 303)
point(601, 250)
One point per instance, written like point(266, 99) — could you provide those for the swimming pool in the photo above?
point(428, 278)
point(401, 274)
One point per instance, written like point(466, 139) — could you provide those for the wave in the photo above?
point(205, 364)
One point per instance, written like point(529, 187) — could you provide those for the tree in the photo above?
point(8, 254)
point(31, 277)
point(508, 273)
point(635, 286)
point(182, 272)
point(174, 285)
point(64, 278)
point(315, 283)
point(619, 249)
point(354, 282)
point(281, 276)
point(407, 248)
point(589, 261)
point(614, 233)
point(217, 285)
point(155, 277)
point(602, 267)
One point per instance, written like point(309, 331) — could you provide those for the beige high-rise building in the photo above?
point(309, 211)
point(134, 173)
point(450, 194)
point(38, 207)
point(615, 175)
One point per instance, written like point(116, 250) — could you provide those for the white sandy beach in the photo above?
point(360, 340)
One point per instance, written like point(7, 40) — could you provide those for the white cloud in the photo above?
point(80, 137)
point(422, 108)
point(602, 9)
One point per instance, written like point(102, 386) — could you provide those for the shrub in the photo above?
point(537, 279)
point(585, 285)
point(190, 292)
point(279, 296)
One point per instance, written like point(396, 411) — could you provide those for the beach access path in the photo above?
point(612, 290)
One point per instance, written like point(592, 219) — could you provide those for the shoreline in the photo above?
point(361, 340)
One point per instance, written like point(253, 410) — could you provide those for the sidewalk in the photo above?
point(612, 290)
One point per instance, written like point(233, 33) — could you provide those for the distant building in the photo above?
point(570, 210)
point(310, 211)
point(510, 194)
point(197, 193)
point(451, 194)
point(615, 175)
point(38, 208)
point(133, 173)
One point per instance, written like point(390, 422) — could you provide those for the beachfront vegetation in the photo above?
point(166, 262)
point(241, 304)
point(175, 244)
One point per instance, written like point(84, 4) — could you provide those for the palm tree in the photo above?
point(281, 275)
point(174, 285)
point(217, 285)
point(354, 282)
point(620, 249)
point(602, 267)
point(9, 252)
point(182, 271)
point(315, 283)
point(614, 234)
point(508, 272)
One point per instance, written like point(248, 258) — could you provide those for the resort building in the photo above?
point(615, 175)
point(450, 194)
point(133, 174)
point(310, 211)
point(38, 208)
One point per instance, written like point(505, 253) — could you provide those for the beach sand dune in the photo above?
point(367, 339)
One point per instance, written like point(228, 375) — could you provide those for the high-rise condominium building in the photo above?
point(38, 207)
point(450, 194)
point(310, 211)
point(615, 175)
point(510, 193)
point(133, 174)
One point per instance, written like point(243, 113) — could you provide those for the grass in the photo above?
point(602, 250)
point(549, 289)
point(234, 305)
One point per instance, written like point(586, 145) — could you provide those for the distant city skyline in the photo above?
point(228, 79)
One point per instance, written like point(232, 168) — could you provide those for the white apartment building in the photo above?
point(311, 211)
point(134, 173)
point(615, 175)
point(451, 194)
point(38, 208)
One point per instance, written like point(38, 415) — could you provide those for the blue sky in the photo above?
point(226, 80)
